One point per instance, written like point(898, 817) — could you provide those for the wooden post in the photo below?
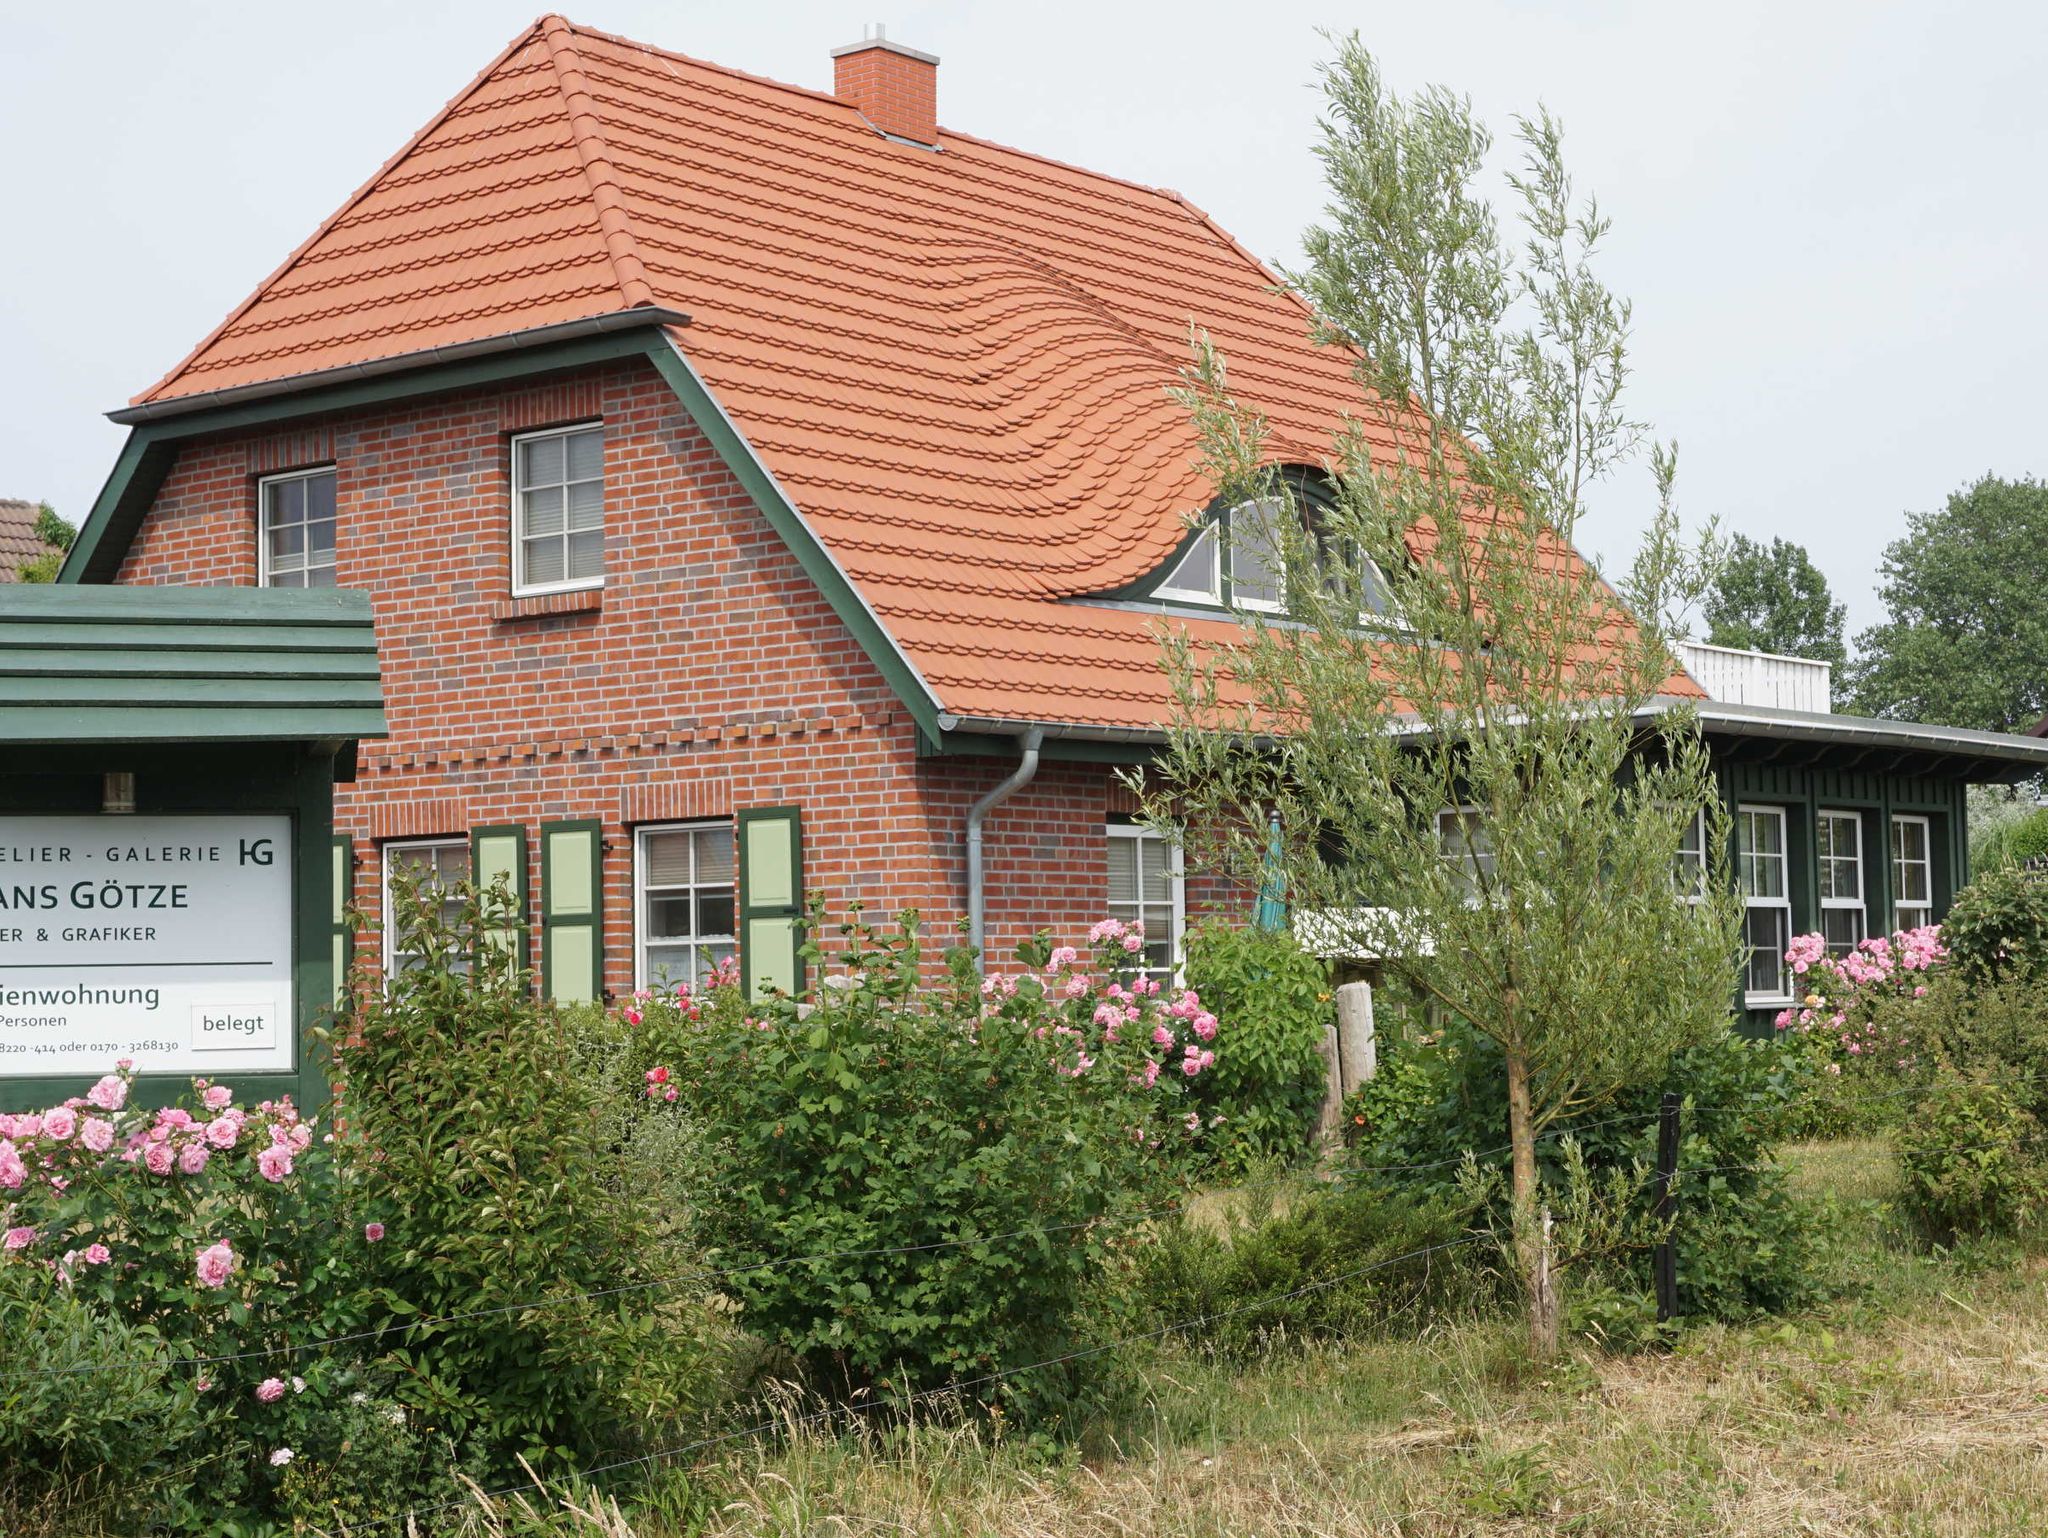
point(1330, 1123)
point(1357, 1050)
point(1667, 1169)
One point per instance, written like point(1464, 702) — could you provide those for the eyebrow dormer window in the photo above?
point(558, 510)
point(1258, 563)
point(1198, 575)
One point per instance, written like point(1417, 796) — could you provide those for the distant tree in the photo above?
point(1772, 598)
point(56, 532)
point(1966, 640)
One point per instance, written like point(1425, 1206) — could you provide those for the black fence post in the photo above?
point(1667, 1171)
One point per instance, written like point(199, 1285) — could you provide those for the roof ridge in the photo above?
point(586, 129)
point(376, 177)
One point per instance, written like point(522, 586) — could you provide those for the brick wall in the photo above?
point(707, 677)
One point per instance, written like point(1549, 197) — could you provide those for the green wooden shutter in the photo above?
point(572, 910)
point(494, 852)
point(343, 940)
point(771, 899)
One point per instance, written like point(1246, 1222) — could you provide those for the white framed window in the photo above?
point(558, 510)
point(1198, 574)
point(1912, 871)
point(437, 864)
point(1467, 842)
point(1763, 874)
point(1146, 886)
point(1689, 867)
point(295, 522)
point(1838, 840)
point(684, 902)
point(1258, 563)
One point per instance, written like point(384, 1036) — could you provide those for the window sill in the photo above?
point(587, 600)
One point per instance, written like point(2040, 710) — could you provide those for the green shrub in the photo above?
point(1268, 1087)
point(565, 1327)
point(1745, 1244)
point(1997, 928)
point(1967, 1166)
point(929, 1185)
point(1330, 1256)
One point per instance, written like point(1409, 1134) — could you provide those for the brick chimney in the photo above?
point(895, 88)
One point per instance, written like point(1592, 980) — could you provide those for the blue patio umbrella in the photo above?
point(1270, 912)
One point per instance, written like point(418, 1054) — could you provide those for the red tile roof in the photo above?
point(19, 542)
point(954, 362)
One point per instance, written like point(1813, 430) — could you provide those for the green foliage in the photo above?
point(1268, 1086)
point(929, 1185)
point(120, 1443)
point(1965, 638)
point(55, 532)
point(1966, 1162)
point(564, 1327)
point(1772, 598)
point(1997, 928)
point(1996, 813)
point(1745, 1245)
point(1338, 1247)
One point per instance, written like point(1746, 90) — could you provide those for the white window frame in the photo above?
point(1176, 885)
point(1782, 902)
point(1694, 892)
point(264, 574)
point(1925, 908)
point(642, 925)
point(389, 938)
point(1468, 864)
point(1211, 534)
point(1257, 605)
point(1860, 903)
point(521, 588)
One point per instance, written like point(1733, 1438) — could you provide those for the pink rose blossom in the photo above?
point(274, 1163)
point(216, 1263)
point(19, 1238)
point(217, 1097)
point(270, 1390)
point(159, 1158)
point(1133, 943)
point(60, 1123)
point(192, 1158)
point(12, 1171)
point(1063, 956)
point(374, 1232)
point(97, 1255)
point(1161, 1036)
point(96, 1133)
point(109, 1094)
point(224, 1129)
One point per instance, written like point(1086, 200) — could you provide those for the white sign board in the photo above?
point(167, 940)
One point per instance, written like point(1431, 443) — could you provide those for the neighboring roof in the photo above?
point(19, 542)
point(952, 363)
point(1984, 757)
point(165, 664)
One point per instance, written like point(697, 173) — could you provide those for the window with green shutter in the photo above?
point(771, 899)
point(572, 910)
point(499, 853)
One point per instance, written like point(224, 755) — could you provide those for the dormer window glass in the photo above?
point(1258, 565)
point(1198, 575)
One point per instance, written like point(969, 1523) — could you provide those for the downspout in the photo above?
point(1027, 767)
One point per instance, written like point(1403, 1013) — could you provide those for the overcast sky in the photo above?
point(1830, 218)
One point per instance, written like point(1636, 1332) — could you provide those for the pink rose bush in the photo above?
point(1845, 1019)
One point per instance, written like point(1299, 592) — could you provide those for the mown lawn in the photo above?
point(1916, 1404)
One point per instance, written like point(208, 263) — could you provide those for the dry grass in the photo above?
point(1925, 1415)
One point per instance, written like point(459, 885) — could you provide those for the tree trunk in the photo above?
point(1532, 1230)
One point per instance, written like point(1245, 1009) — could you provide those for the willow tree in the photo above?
point(1465, 735)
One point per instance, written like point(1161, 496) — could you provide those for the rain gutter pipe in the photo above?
point(1022, 775)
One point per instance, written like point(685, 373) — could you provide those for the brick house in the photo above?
point(760, 491)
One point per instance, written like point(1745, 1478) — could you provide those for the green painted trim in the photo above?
point(146, 457)
point(341, 937)
point(811, 554)
point(552, 923)
point(521, 896)
point(749, 910)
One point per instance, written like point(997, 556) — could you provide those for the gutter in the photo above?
point(454, 352)
point(1027, 768)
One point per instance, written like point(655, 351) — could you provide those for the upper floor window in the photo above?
point(1838, 839)
point(295, 529)
point(1689, 868)
point(558, 510)
point(1258, 559)
point(1240, 558)
point(1912, 872)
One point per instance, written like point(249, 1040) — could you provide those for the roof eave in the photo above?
point(396, 363)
